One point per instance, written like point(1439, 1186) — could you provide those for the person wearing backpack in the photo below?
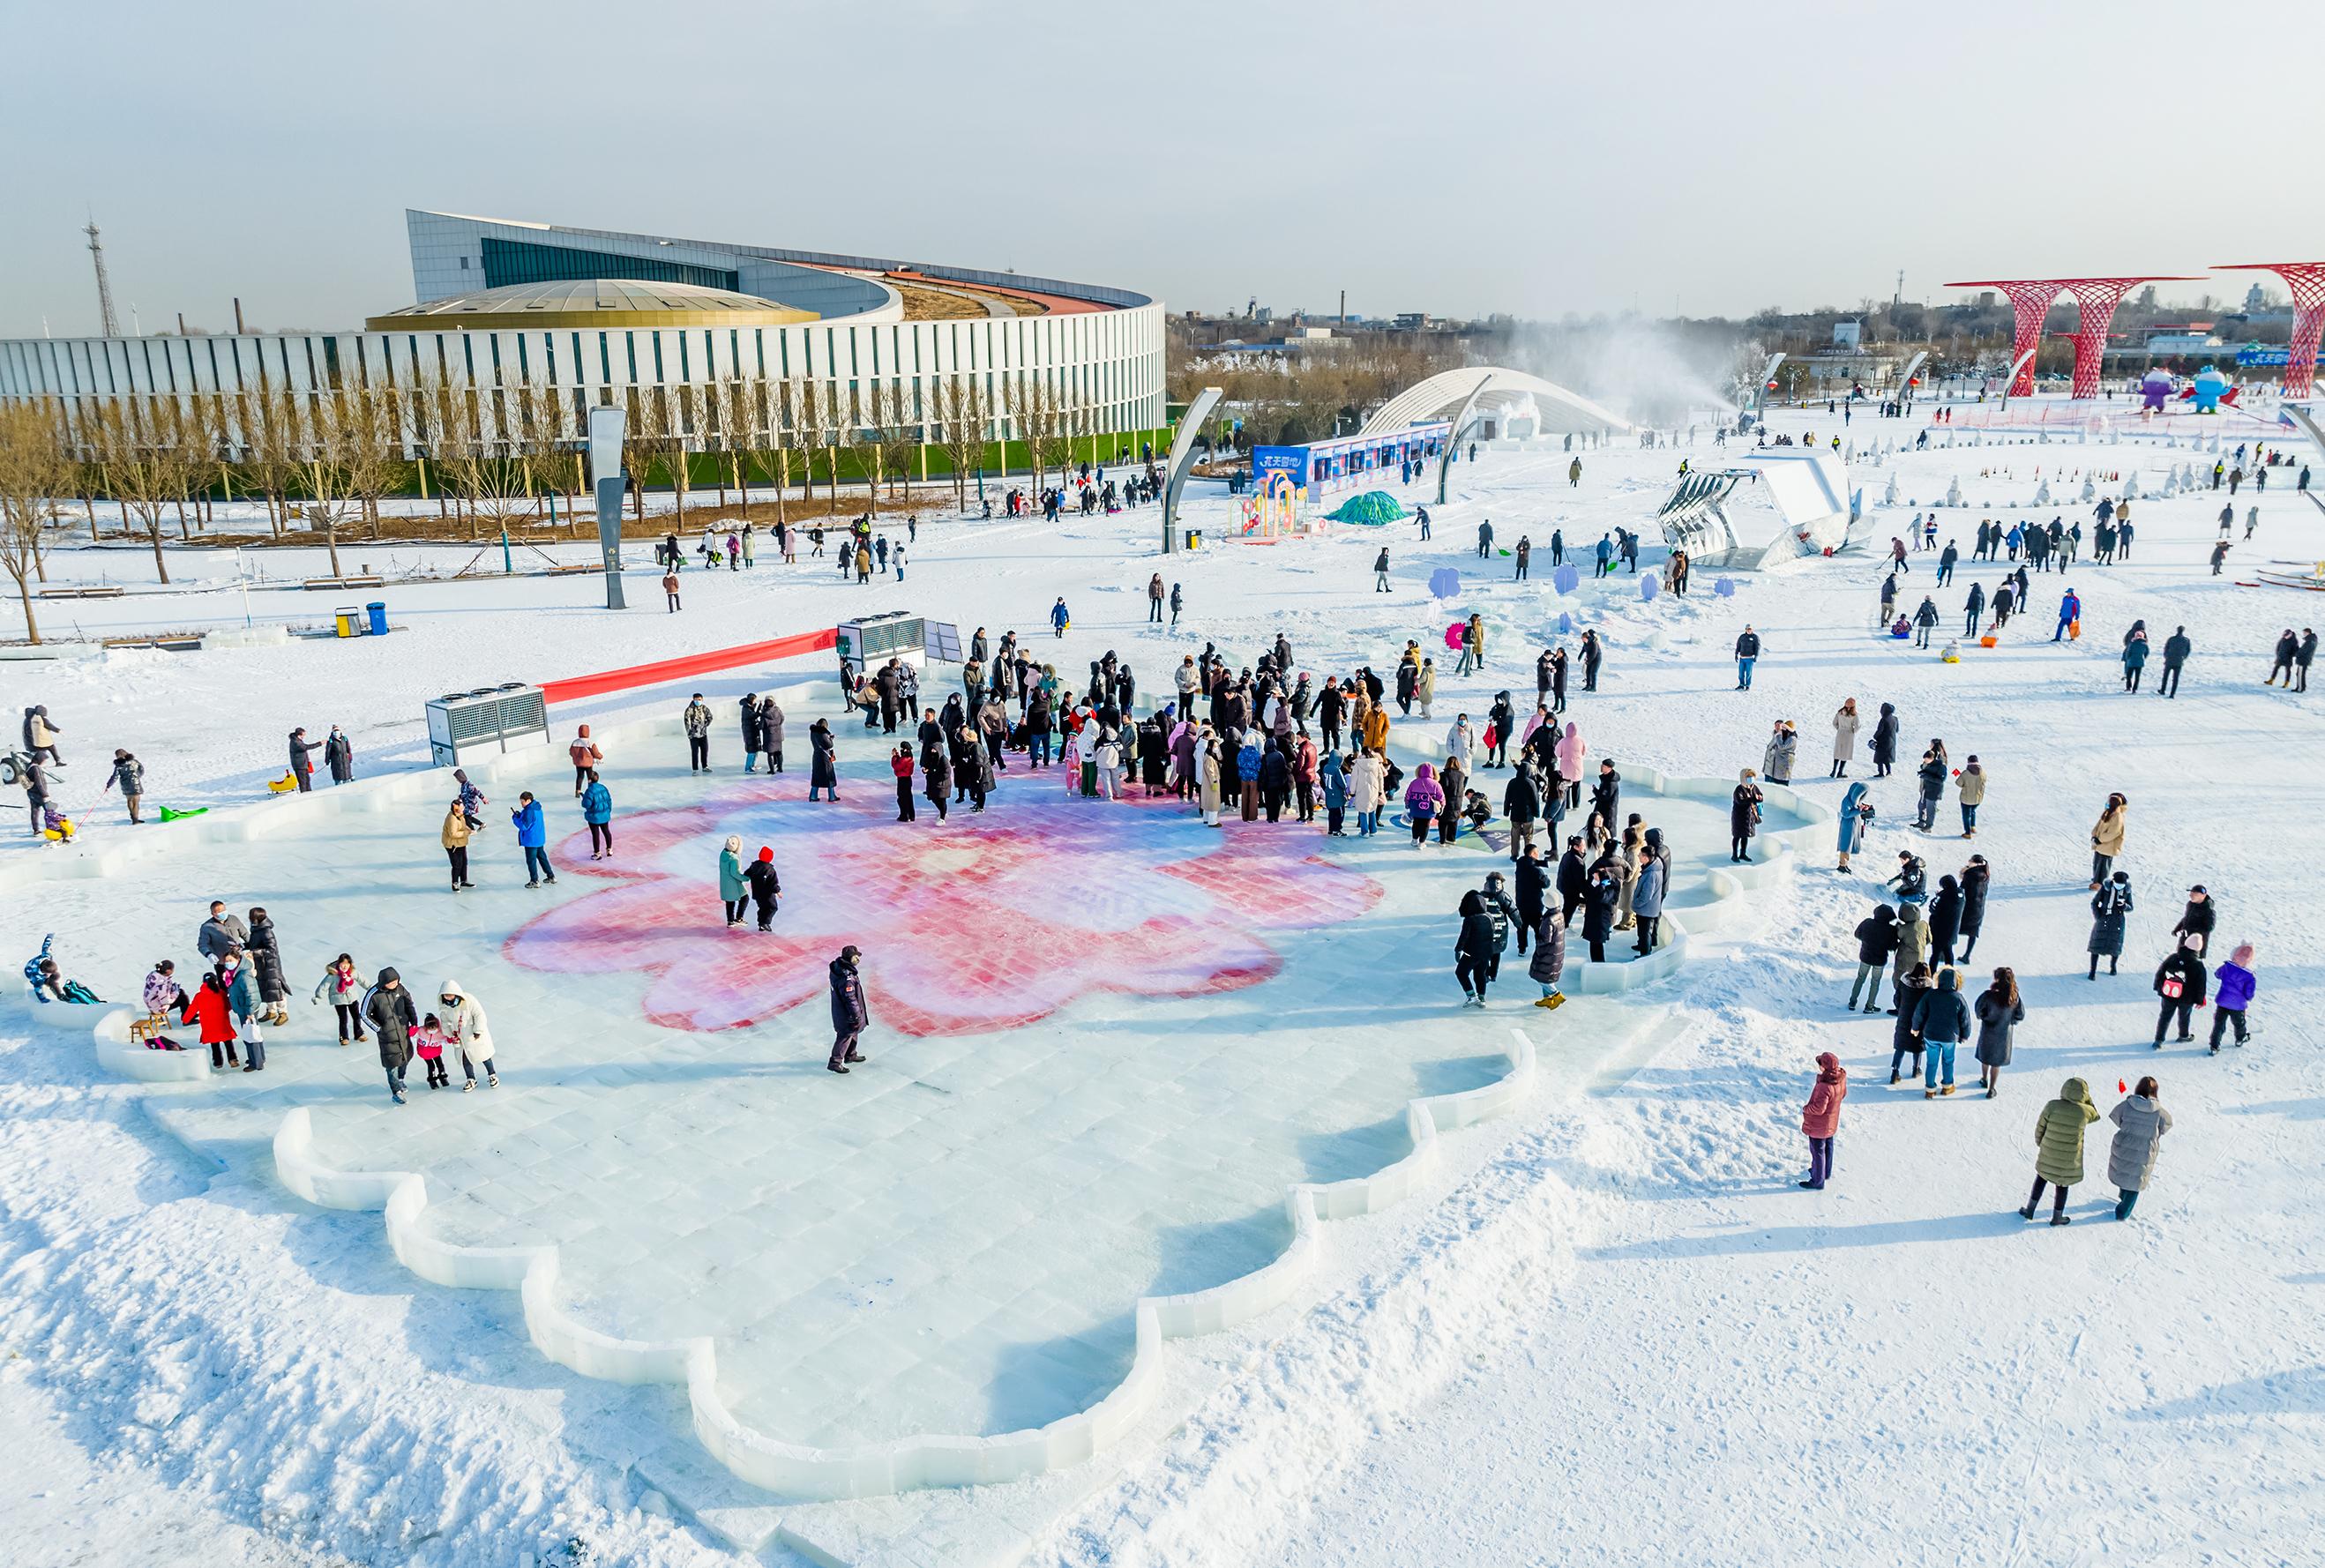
point(2179, 982)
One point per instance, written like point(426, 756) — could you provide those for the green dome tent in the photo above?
point(1373, 508)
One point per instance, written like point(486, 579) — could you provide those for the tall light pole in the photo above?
point(606, 424)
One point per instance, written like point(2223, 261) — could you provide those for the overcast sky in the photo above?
point(1535, 158)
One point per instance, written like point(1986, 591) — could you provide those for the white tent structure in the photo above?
point(1495, 392)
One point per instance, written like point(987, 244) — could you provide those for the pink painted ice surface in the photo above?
point(978, 924)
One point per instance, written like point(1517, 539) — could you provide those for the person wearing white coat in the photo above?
point(1844, 738)
point(1460, 741)
point(1367, 793)
point(462, 1016)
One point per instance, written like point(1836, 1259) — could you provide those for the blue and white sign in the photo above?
point(1269, 461)
point(2258, 355)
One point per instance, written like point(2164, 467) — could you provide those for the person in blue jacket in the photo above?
point(1248, 765)
point(597, 811)
point(1060, 616)
point(1335, 794)
point(1942, 1020)
point(2070, 610)
point(532, 838)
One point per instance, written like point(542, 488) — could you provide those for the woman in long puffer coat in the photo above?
point(1549, 961)
point(1844, 738)
point(1207, 768)
point(733, 891)
point(266, 969)
point(1973, 879)
point(2109, 907)
point(1571, 751)
point(1885, 741)
point(2059, 1147)
point(1999, 1011)
point(1776, 758)
point(2140, 1124)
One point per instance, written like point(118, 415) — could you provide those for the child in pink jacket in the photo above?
point(1821, 1118)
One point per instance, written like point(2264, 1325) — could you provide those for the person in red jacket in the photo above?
point(210, 1008)
point(1820, 1119)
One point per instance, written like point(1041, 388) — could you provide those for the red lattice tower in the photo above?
point(2097, 298)
point(2307, 282)
point(2030, 301)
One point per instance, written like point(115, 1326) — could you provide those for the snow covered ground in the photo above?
point(1614, 1297)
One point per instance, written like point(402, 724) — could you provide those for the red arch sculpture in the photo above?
point(2307, 282)
point(2096, 298)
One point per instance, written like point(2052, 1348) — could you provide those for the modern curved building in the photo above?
point(587, 315)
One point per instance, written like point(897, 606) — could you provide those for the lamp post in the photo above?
point(606, 422)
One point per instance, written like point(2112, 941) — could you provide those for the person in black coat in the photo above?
point(1885, 741)
point(1275, 780)
point(1531, 884)
point(2180, 981)
point(301, 768)
point(1522, 804)
point(760, 877)
point(1473, 949)
point(1592, 652)
point(1743, 817)
point(1573, 880)
point(1599, 900)
point(1945, 920)
point(848, 1012)
point(755, 732)
point(2110, 908)
point(2194, 930)
point(1903, 1041)
point(823, 765)
point(390, 1012)
point(1973, 879)
point(1607, 795)
point(339, 755)
point(1876, 939)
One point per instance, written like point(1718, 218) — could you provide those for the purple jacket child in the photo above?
point(1423, 796)
point(2233, 981)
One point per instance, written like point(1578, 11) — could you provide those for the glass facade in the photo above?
point(521, 261)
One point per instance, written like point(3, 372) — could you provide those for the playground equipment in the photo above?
point(1279, 510)
point(1798, 506)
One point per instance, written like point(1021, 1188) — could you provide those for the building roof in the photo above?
point(590, 303)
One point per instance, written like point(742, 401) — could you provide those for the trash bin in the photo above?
point(378, 609)
point(350, 620)
point(1194, 538)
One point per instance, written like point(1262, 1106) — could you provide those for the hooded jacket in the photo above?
point(1821, 1116)
point(464, 1021)
point(395, 1015)
point(1942, 1017)
point(1423, 796)
point(2140, 1124)
point(2059, 1133)
point(1876, 935)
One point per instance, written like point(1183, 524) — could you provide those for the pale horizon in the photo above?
point(1813, 155)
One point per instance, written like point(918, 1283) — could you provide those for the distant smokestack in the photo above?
point(238, 316)
point(1344, 307)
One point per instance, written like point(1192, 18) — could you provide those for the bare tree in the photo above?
point(816, 432)
point(963, 412)
point(764, 437)
point(269, 420)
point(137, 464)
point(371, 418)
point(1040, 413)
point(639, 445)
point(326, 470)
point(896, 431)
point(35, 468)
point(666, 412)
